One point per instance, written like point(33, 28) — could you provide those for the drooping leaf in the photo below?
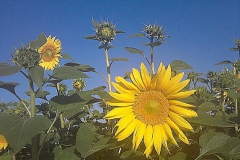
point(39, 42)
point(224, 62)
point(10, 86)
point(118, 31)
point(6, 69)
point(107, 47)
point(134, 50)
point(137, 35)
point(81, 67)
point(65, 154)
point(66, 72)
point(66, 56)
point(118, 59)
point(180, 65)
point(92, 37)
point(19, 131)
point(36, 73)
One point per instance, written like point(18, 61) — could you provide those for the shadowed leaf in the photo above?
point(67, 56)
point(134, 50)
point(19, 131)
point(41, 40)
point(37, 73)
point(137, 35)
point(10, 86)
point(6, 69)
point(65, 154)
point(180, 65)
point(224, 62)
point(118, 59)
point(67, 72)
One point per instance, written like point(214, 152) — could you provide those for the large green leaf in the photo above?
point(10, 86)
point(180, 65)
point(73, 103)
point(65, 154)
point(178, 156)
point(204, 117)
point(6, 157)
point(6, 69)
point(88, 141)
point(66, 72)
point(134, 50)
point(216, 142)
point(19, 131)
point(39, 42)
point(36, 73)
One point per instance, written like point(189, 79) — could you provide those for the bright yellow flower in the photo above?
point(50, 53)
point(3, 142)
point(150, 108)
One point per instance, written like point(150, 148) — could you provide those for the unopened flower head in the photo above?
point(26, 57)
point(105, 32)
point(149, 108)
point(155, 31)
point(79, 84)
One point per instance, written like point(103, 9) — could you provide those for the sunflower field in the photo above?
point(155, 112)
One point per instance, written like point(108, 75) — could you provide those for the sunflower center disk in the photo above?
point(151, 107)
point(48, 55)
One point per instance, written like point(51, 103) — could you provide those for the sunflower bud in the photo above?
point(226, 79)
point(105, 32)
point(26, 57)
point(62, 89)
point(154, 31)
point(79, 84)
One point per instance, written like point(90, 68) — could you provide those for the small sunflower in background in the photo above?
point(79, 84)
point(50, 53)
point(3, 142)
point(149, 108)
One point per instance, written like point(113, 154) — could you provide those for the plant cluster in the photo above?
point(150, 113)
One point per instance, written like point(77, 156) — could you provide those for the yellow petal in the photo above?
point(148, 149)
point(123, 122)
point(139, 135)
point(181, 95)
point(145, 76)
point(179, 103)
point(179, 133)
point(138, 79)
point(169, 134)
point(183, 112)
point(157, 138)
point(127, 84)
point(148, 137)
point(122, 90)
point(180, 121)
point(128, 130)
point(119, 103)
point(166, 79)
point(176, 88)
point(123, 97)
point(118, 112)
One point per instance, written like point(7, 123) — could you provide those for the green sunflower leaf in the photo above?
point(10, 86)
point(41, 40)
point(36, 73)
point(178, 156)
point(224, 62)
point(65, 154)
point(66, 72)
point(118, 59)
point(6, 69)
point(137, 35)
point(180, 65)
point(134, 50)
point(19, 131)
point(66, 56)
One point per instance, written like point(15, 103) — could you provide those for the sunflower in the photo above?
point(150, 108)
point(3, 142)
point(50, 53)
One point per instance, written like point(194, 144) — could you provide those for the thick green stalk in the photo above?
point(151, 54)
point(61, 121)
point(108, 67)
point(223, 106)
point(33, 114)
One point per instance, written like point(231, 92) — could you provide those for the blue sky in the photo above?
point(201, 32)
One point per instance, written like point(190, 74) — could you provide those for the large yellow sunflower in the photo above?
point(150, 108)
point(50, 53)
point(3, 142)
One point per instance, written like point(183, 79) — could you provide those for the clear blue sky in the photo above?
point(201, 31)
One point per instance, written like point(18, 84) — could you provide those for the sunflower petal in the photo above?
point(169, 134)
point(180, 121)
point(177, 131)
point(122, 90)
point(179, 103)
point(157, 138)
point(127, 84)
point(181, 95)
point(123, 97)
point(183, 112)
point(127, 131)
point(123, 123)
point(138, 79)
point(145, 76)
point(118, 112)
point(139, 135)
point(176, 88)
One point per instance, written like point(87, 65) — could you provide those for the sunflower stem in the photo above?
point(222, 105)
point(151, 54)
point(33, 114)
point(108, 67)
